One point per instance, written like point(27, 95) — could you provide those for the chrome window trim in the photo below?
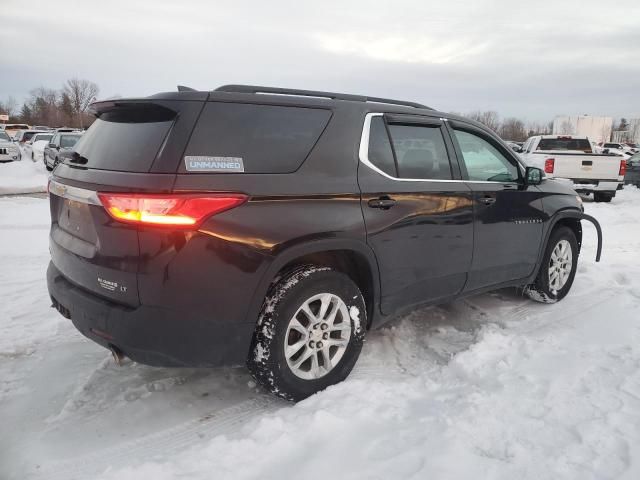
point(76, 194)
point(363, 155)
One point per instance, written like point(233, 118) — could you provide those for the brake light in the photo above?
point(549, 163)
point(174, 210)
point(623, 168)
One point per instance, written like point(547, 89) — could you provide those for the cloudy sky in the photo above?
point(529, 59)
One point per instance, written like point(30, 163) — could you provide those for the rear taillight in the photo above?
point(623, 168)
point(549, 163)
point(185, 211)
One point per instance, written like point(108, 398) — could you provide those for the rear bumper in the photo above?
point(595, 185)
point(151, 335)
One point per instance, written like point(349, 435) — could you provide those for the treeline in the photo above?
point(511, 128)
point(55, 108)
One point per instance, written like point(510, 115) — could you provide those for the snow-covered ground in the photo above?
point(493, 386)
point(25, 176)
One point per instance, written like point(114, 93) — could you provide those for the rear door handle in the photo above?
point(488, 200)
point(385, 203)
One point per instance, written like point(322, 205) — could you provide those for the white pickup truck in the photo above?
point(571, 158)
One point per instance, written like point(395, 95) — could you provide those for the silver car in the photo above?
point(8, 149)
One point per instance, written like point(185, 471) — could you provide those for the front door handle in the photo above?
point(385, 203)
point(488, 200)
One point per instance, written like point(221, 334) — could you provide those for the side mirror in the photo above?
point(533, 176)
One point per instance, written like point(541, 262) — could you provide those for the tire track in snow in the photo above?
point(174, 439)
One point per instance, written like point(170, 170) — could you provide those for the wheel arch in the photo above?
point(570, 218)
point(351, 257)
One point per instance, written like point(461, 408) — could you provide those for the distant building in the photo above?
point(598, 129)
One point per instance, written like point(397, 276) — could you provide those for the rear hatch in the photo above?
point(133, 146)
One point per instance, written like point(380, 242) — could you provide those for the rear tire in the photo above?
point(558, 268)
point(308, 312)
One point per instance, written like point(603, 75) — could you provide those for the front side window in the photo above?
point(483, 161)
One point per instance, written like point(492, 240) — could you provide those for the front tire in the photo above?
point(309, 333)
point(558, 267)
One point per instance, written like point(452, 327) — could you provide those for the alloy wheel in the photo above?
point(560, 265)
point(317, 336)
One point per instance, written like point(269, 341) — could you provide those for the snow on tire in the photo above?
point(558, 267)
point(309, 333)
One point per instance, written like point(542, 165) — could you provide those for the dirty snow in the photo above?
point(493, 386)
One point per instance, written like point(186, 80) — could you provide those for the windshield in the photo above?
point(68, 141)
point(4, 137)
point(565, 144)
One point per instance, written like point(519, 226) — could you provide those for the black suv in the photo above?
point(274, 227)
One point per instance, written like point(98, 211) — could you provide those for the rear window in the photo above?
point(265, 138)
point(126, 138)
point(39, 137)
point(581, 144)
point(68, 141)
point(27, 135)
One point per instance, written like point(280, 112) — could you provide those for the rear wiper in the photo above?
point(78, 159)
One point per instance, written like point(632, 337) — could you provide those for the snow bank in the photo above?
point(25, 319)
point(23, 177)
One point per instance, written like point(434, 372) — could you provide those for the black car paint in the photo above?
point(193, 297)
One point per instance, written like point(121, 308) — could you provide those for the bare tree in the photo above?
point(43, 105)
point(513, 129)
point(10, 107)
point(488, 118)
point(81, 93)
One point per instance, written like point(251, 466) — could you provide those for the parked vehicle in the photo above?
point(632, 175)
point(24, 136)
point(59, 148)
point(12, 128)
point(515, 146)
point(275, 227)
point(41, 127)
point(27, 147)
point(617, 146)
point(8, 149)
point(571, 158)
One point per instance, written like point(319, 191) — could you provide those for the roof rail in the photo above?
point(317, 94)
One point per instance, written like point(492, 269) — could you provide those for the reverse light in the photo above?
point(549, 164)
point(623, 168)
point(174, 210)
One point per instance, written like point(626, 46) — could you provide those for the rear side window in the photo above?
point(380, 152)
point(420, 152)
point(126, 138)
point(267, 138)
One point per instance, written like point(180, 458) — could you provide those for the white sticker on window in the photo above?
point(214, 164)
